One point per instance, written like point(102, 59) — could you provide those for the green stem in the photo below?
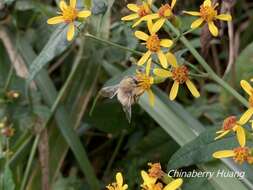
point(8, 81)
point(113, 44)
point(119, 143)
point(30, 160)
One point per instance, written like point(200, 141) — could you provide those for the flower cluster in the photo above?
point(158, 60)
point(154, 179)
point(242, 153)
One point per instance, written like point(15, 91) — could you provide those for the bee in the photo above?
point(127, 92)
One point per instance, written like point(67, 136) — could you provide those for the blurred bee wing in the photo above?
point(128, 110)
point(109, 91)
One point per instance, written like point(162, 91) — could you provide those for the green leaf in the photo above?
point(197, 183)
point(200, 150)
point(7, 179)
point(102, 119)
point(54, 47)
point(244, 64)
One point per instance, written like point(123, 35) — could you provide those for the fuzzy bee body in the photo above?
point(127, 92)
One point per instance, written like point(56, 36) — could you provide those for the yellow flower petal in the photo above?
point(225, 17)
point(141, 35)
point(162, 58)
point(144, 58)
point(173, 3)
point(218, 132)
point(213, 29)
point(119, 179)
point(137, 22)
point(151, 16)
point(157, 25)
point(222, 135)
point(147, 180)
point(240, 133)
point(151, 97)
point(251, 124)
point(125, 187)
point(130, 17)
point(150, 25)
point(62, 5)
point(171, 59)
point(148, 66)
point(84, 14)
point(166, 43)
point(197, 23)
point(192, 89)
point(174, 90)
point(71, 31)
point(193, 13)
point(133, 7)
point(246, 116)
point(162, 73)
point(150, 2)
point(223, 154)
point(246, 87)
point(72, 3)
point(55, 20)
point(208, 3)
point(175, 184)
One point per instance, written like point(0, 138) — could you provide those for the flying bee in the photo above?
point(127, 91)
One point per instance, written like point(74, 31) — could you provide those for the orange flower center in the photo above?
point(229, 123)
point(251, 101)
point(144, 82)
point(69, 14)
point(165, 11)
point(153, 43)
point(180, 74)
point(208, 13)
point(242, 154)
point(143, 10)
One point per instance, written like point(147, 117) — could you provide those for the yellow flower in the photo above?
point(239, 154)
point(231, 124)
point(153, 44)
point(175, 184)
point(179, 74)
point(118, 185)
point(249, 90)
point(140, 12)
point(148, 182)
point(208, 14)
point(69, 14)
point(144, 83)
point(164, 13)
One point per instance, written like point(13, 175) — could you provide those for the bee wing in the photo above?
point(128, 109)
point(109, 91)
